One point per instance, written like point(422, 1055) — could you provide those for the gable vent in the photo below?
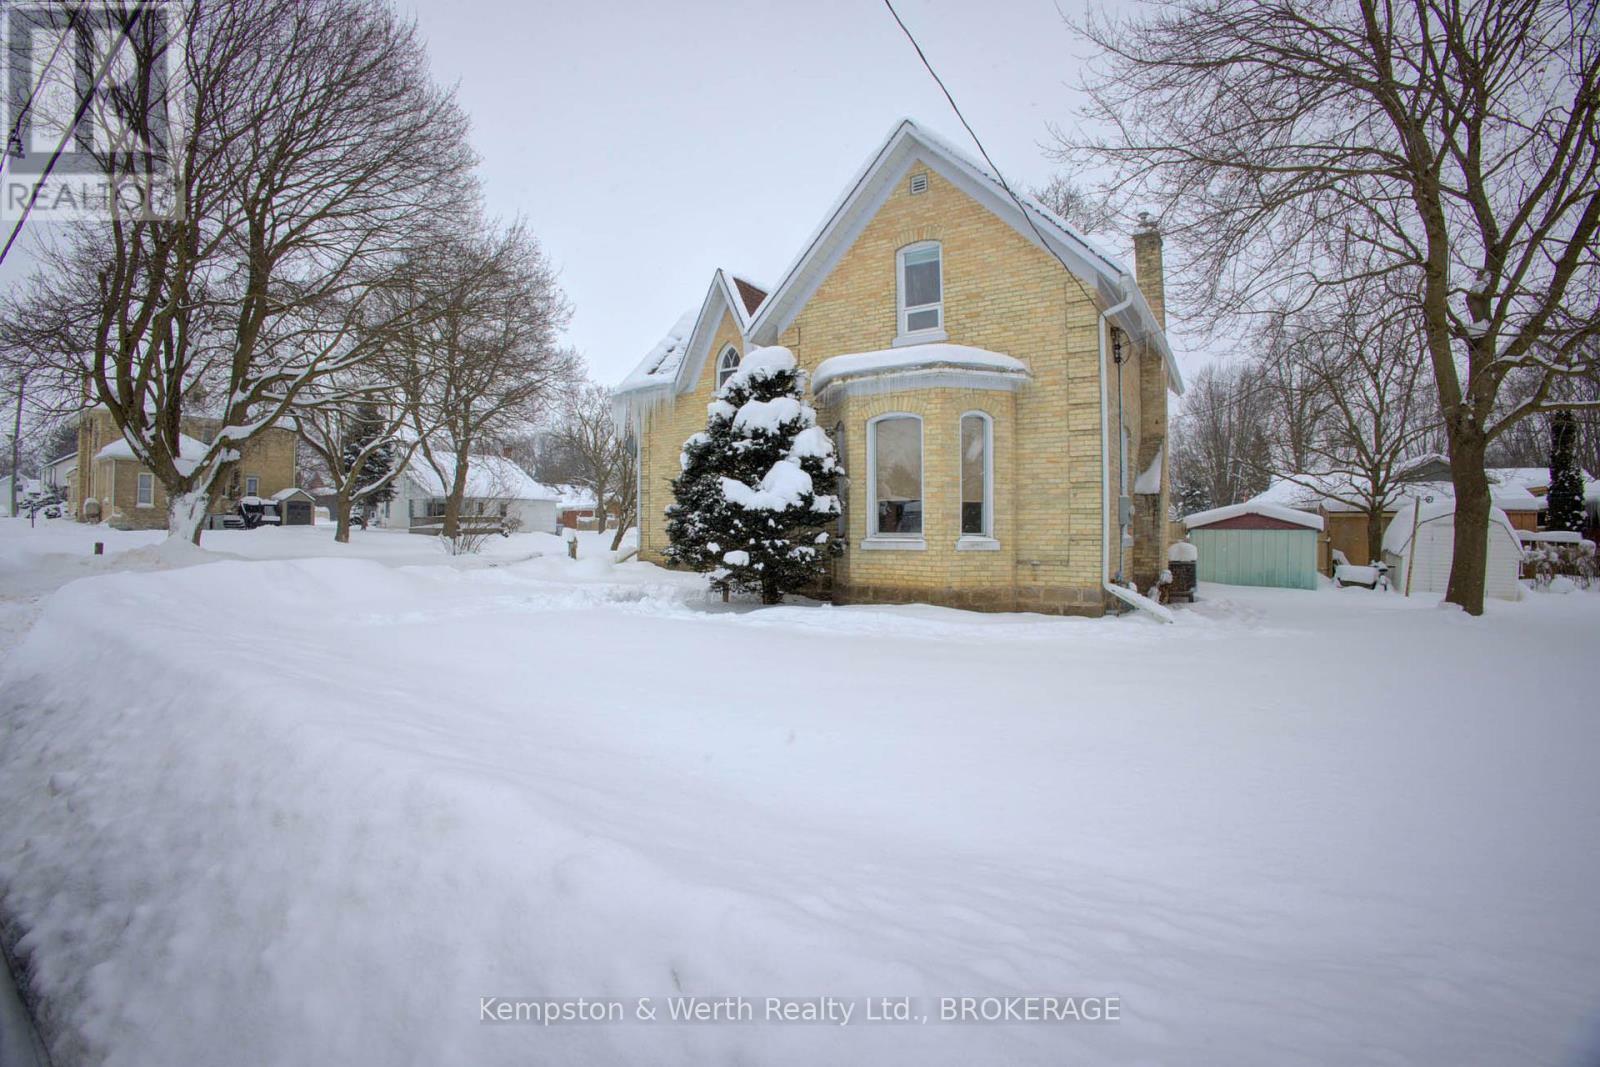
point(919, 183)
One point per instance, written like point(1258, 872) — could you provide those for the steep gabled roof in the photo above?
point(677, 359)
point(660, 364)
point(750, 293)
point(1099, 270)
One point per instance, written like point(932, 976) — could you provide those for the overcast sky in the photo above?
point(649, 143)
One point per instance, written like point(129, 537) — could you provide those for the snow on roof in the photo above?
point(190, 451)
point(1398, 535)
point(1254, 507)
point(914, 357)
point(572, 496)
point(1527, 477)
point(1109, 275)
point(1337, 493)
point(1149, 480)
point(292, 491)
point(660, 364)
point(488, 478)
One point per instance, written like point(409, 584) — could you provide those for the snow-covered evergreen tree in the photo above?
point(1565, 499)
point(375, 458)
point(757, 499)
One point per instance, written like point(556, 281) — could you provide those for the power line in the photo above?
point(66, 135)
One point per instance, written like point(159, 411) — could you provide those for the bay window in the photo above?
point(894, 445)
point(976, 467)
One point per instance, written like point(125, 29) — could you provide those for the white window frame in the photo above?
point(144, 490)
point(874, 539)
point(252, 485)
point(903, 335)
point(985, 540)
point(724, 373)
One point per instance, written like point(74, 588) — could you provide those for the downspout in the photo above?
point(1105, 451)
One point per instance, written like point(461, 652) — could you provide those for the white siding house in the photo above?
point(1435, 536)
point(495, 486)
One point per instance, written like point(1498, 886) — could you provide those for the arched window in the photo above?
point(894, 470)
point(977, 474)
point(727, 363)
point(921, 288)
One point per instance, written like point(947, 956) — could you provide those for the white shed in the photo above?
point(1435, 527)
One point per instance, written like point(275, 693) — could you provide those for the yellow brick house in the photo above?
point(109, 485)
point(995, 383)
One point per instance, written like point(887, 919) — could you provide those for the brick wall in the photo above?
point(1003, 294)
point(269, 456)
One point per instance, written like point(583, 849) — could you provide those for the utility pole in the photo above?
point(16, 440)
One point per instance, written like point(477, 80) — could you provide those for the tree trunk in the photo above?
point(452, 500)
point(341, 509)
point(186, 514)
point(616, 540)
point(1375, 536)
point(1470, 556)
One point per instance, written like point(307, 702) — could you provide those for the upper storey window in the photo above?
point(921, 289)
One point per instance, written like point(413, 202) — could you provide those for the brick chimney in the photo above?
point(1147, 267)
point(1149, 529)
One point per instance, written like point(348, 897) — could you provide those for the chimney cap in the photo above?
point(1148, 224)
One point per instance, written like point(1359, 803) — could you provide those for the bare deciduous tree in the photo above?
point(1365, 366)
point(485, 363)
point(309, 141)
point(1082, 209)
point(1221, 453)
point(1455, 147)
point(587, 432)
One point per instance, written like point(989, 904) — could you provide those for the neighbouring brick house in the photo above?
point(130, 497)
point(971, 383)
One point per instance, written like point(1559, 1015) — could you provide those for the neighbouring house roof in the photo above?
point(190, 451)
point(1529, 478)
point(929, 357)
point(488, 478)
point(573, 496)
point(1398, 535)
point(1333, 493)
point(907, 141)
point(1293, 516)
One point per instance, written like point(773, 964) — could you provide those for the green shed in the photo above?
point(1256, 544)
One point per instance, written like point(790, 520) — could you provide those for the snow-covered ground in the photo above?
point(314, 809)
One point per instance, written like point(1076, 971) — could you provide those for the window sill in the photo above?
point(921, 337)
point(974, 543)
point(894, 544)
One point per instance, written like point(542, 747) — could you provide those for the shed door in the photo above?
point(297, 513)
point(1283, 558)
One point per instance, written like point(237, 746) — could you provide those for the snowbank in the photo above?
point(322, 828)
